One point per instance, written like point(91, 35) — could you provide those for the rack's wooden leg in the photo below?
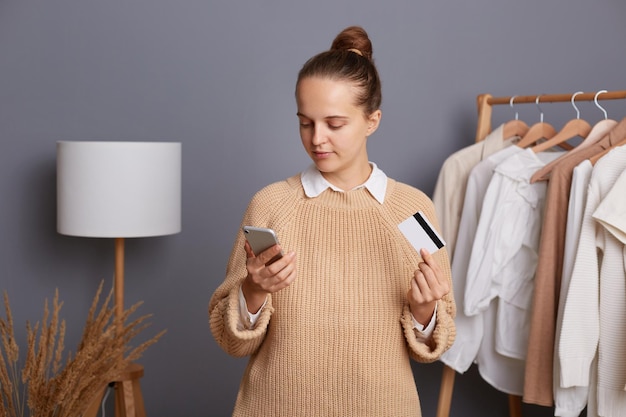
point(515, 406)
point(445, 392)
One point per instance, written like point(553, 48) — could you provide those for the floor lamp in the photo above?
point(119, 190)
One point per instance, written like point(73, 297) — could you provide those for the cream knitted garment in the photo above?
point(338, 340)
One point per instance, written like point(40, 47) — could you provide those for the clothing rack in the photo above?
point(485, 103)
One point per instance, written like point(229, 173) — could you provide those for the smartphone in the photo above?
point(260, 239)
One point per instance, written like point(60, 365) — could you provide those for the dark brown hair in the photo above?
point(350, 58)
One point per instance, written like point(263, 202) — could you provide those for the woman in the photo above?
point(330, 332)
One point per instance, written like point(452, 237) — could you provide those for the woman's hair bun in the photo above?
point(344, 62)
point(354, 39)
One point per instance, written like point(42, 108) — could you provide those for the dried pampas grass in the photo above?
point(51, 386)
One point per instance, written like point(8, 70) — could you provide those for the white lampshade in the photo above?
point(118, 189)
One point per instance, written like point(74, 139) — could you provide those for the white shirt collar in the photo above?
point(314, 183)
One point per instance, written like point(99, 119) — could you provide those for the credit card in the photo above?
point(421, 234)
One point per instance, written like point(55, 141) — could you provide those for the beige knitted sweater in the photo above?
point(338, 340)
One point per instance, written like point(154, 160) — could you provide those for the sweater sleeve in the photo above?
point(441, 339)
point(224, 313)
point(224, 317)
point(445, 330)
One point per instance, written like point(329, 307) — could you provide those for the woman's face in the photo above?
point(334, 130)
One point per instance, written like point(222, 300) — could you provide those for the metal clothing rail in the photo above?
point(485, 103)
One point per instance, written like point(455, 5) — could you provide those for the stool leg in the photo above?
point(94, 408)
point(138, 399)
point(128, 397)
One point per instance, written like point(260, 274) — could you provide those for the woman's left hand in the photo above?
point(428, 285)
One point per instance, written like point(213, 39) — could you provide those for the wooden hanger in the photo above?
point(541, 130)
point(514, 127)
point(538, 131)
point(574, 128)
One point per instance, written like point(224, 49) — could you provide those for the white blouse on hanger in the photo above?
point(503, 261)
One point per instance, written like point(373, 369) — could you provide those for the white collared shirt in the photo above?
point(314, 183)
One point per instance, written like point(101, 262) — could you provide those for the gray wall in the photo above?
point(219, 77)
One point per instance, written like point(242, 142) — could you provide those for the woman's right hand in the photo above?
point(265, 279)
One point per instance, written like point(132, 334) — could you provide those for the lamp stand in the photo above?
point(119, 282)
point(128, 397)
point(92, 178)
